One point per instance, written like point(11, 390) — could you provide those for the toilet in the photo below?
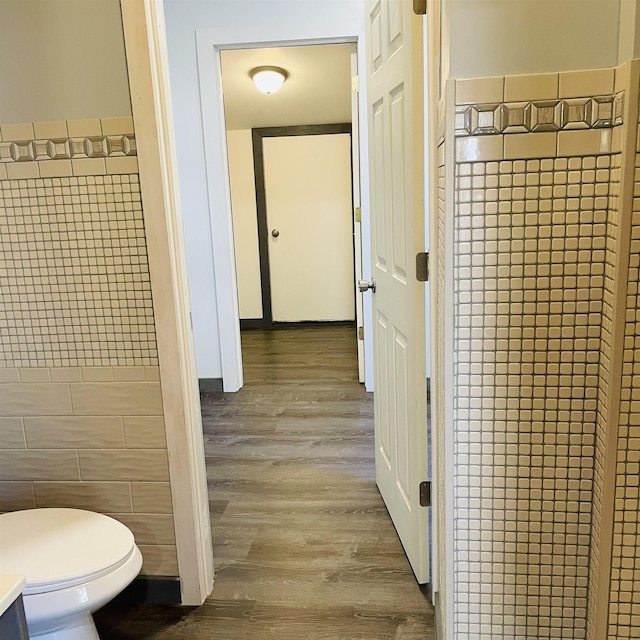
point(74, 562)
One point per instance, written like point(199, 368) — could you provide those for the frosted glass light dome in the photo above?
point(268, 79)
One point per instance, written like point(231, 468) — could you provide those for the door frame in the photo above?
point(257, 136)
point(209, 43)
point(147, 64)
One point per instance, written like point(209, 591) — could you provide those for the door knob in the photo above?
point(275, 233)
point(365, 285)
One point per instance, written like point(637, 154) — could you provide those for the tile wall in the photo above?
point(81, 416)
point(536, 205)
point(604, 386)
point(438, 397)
point(624, 606)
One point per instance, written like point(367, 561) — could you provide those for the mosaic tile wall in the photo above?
point(537, 191)
point(73, 255)
point(605, 350)
point(439, 389)
point(81, 413)
point(529, 265)
point(73, 260)
point(624, 608)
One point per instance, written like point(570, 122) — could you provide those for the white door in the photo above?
point(309, 217)
point(395, 101)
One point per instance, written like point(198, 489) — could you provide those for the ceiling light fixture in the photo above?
point(268, 79)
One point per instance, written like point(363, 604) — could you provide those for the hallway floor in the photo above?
point(303, 545)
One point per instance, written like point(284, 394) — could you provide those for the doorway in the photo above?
point(211, 220)
point(219, 34)
point(294, 186)
point(305, 223)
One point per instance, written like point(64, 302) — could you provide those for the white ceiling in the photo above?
point(317, 91)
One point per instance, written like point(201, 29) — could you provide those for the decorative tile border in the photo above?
point(68, 148)
point(599, 112)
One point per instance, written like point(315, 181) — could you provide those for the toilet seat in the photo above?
point(61, 548)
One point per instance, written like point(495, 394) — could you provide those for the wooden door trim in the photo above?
point(145, 44)
point(257, 136)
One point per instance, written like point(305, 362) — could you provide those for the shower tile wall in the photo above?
point(537, 172)
point(81, 417)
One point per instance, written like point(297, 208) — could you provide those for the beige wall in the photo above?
point(61, 59)
point(81, 415)
point(245, 222)
point(629, 41)
point(503, 37)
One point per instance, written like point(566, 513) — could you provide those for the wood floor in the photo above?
point(303, 545)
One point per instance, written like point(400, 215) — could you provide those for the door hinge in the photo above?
point(360, 333)
point(422, 266)
point(420, 7)
point(425, 494)
point(358, 214)
point(355, 84)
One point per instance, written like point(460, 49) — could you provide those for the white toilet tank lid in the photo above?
point(57, 548)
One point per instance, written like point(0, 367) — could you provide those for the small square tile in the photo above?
point(602, 112)
point(576, 113)
point(546, 115)
point(516, 117)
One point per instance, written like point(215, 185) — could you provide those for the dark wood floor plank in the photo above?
point(303, 545)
